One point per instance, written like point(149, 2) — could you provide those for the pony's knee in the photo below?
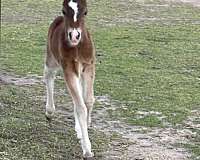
point(90, 102)
point(81, 110)
point(49, 73)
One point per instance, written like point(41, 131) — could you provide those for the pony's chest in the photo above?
point(79, 55)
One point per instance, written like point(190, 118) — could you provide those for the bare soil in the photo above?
point(18, 81)
point(195, 3)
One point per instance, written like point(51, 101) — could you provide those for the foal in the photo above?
point(70, 47)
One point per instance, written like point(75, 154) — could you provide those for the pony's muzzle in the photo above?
point(74, 36)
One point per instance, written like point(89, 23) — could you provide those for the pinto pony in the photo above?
point(71, 48)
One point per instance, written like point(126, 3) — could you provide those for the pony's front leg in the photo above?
point(74, 87)
point(49, 76)
point(88, 90)
point(77, 124)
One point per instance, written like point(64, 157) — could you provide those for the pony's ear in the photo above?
point(86, 12)
point(65, 2)
point(63, 12)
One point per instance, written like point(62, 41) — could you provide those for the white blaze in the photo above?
point(74, 6)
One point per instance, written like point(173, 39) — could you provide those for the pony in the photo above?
point(71, 48)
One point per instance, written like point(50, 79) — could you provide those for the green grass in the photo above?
point(146, 65)
point(25, 133)
point(151, 69)
point(23, 48)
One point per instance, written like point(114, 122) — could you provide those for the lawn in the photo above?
point(148, 60)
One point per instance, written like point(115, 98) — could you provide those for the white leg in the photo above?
point(77, 125)
point(88, 91)
point(49, 76)
point(81, 112)
point(74, 87)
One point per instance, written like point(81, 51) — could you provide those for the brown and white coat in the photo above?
point(71, 48)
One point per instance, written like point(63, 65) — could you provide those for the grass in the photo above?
point(163, 77)
point(149, 60)
point(25, 133)
point(23, 48)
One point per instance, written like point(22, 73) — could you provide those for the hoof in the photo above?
point(49, 115)
point(49, 119)
point(88, 156)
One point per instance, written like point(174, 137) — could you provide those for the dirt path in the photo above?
point(19, 81)
point(195, 3)
point(132, 142)
point(142, 142)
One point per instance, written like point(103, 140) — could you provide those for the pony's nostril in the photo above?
point(74, 35)
point(78, 36)
point(70, 35)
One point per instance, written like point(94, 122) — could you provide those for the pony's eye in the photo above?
point(85, 13)
point(64, 13)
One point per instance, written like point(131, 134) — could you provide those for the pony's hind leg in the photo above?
point(49, 77)
point(88, 91)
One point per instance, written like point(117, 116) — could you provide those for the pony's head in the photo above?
point(74, 12)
